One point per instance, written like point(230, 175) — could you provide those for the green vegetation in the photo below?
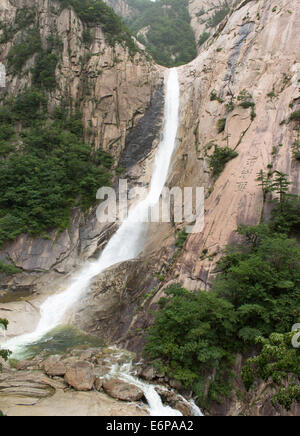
point(4, 354)
point(219, 159)
point(221, 124)
point(257, 293)
point(180, 239)
point(30, 44)
point(277, 361)
point(8, 269)
point(47, 168)
point(218, 15)
point(25, 17)
point(43, 73)
point(170, 39)
point(246, 102)
point(192, 334)
point(295, 116)
point(296, 150)
point(22, 50)
point(214, 97)
point(96, 12)
point(203, 38)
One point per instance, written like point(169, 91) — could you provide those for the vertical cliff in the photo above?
point(80, 66)
point(253, 59)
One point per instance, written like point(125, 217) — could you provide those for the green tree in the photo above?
point(277, 362)
point(280, 185)
point(192, 333)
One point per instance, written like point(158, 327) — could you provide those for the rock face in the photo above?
point(201, 12)
point(113, 89)
point(122, 391)
point(80, 375)
point(121, 7)
point(254, 58)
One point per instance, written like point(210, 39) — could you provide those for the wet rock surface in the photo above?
point(139, 142)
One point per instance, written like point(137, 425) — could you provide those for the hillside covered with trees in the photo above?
point(164, 28)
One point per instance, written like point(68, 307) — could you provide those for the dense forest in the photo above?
point(164, 28)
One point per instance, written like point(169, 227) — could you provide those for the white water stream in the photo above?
point(155, 404)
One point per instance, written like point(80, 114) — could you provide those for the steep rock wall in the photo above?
point(113, 90)
point(258, 54)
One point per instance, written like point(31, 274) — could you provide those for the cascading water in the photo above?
point(156, 407)
point(127, 242)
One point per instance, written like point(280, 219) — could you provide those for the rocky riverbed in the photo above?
point(85, 382)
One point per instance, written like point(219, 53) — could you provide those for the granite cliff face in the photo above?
point(121, 7)
point(113, 89)
point(256, 52)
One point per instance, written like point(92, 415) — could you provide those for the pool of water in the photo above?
point(59, 341)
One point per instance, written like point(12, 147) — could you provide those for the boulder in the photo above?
point(148, 373)
point(54, 367)
point(121, 390)
point(175, 401)
point(80, 376)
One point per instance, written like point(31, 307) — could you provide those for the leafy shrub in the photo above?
point(29, 106)
point(44, 70)
point(8, 269)
point(285, 218)
point(214, 97)
point(221, 124)
point(277, 361)
point(296, 150)
point(219, 159)
point(246, 104)
point(25, 17)
point(4, 353)
point(181, 238)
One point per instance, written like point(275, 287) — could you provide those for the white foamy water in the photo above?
point(155, 404)
point(126, 243)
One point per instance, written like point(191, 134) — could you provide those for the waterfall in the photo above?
point(127, 242)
